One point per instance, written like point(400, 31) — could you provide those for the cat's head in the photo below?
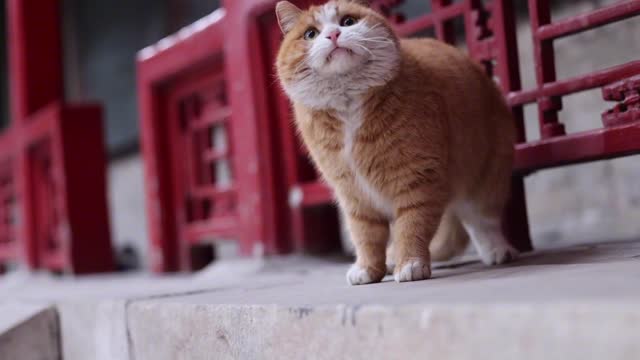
point(341, 48)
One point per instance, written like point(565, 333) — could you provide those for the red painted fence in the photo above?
point(222, 76)
point(205, 173)
point(53, 211)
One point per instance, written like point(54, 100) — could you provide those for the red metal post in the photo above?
point(444, 29)
point(544, 59)
point(35, 63)
point(35, 56)
point(59, 172)
point(507, 69)
point(254, 75)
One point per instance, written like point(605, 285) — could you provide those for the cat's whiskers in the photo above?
point(379, 41)
point(372, 28)
point(365, 49)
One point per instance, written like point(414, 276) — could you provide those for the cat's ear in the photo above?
point(287, 14)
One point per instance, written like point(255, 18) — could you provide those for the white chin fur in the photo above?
point(341, 63)
point(333, 83)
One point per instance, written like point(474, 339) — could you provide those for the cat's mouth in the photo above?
point(339, 51)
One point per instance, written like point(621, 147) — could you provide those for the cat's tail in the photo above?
point(450, 240)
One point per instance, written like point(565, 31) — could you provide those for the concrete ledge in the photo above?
point(578, 302)
point(94, 330)
point(162, 331)
point(28, 332)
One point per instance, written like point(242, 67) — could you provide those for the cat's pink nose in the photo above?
point(333, 36)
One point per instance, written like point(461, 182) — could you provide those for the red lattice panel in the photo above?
point(204, 177)
point(279, 201)
point(8, 207)
point(64, 200)
point(53, 211)
point(49, 205)
point(207, 176)
point(622, 132)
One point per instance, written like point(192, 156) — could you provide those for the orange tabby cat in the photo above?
point(415, 140)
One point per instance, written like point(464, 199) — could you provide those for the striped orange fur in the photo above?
point(415, 140)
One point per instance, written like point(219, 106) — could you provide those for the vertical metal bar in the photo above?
point(4, 212)
point(35, 55)
point(544, 56)
point(515, 220)
point(160, 203)
point(444, 28)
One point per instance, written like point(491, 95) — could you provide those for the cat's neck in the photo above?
point(344, 93)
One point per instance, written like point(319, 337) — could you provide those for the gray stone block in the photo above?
point(28, 332)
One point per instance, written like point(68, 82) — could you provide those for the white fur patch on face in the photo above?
point(327, 14)
point(329, 78)
point(322, 54)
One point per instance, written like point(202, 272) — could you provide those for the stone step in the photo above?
point(579, 302)
point(29, 332)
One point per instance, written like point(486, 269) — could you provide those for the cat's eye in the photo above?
point(310, 34)
point(348, 21)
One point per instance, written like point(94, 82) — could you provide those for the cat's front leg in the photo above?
point(415, 225)
point(369, 232)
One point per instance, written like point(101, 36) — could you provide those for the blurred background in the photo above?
point(594, 201)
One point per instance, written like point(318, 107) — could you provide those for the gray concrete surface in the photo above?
point(580, 302)
point(28, 332)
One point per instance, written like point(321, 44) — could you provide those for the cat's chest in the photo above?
point(351, 125)
point(353, 155)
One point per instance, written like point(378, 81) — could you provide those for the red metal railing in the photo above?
point(8, 210)
point(203, 134)
point(278, 200)
point(490, 39)
point(205, 176)
point(620, 134)
point(53, 211)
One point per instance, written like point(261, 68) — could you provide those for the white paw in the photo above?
point(498, 254)
point(413, 270)
point(358, 275)
point(390, 267)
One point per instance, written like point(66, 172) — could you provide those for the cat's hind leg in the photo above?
point(481, 207)
point(450, 240)
point(485, 230)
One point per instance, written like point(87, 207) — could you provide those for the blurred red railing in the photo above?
point(53, 211)
point(280, 203)
point(8, 210)
point(206, 174)
point(621, 133)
